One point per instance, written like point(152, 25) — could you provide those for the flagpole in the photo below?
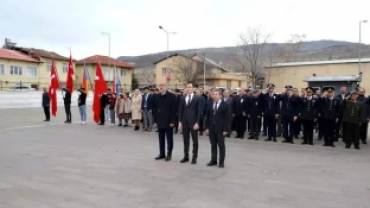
point(91, 86)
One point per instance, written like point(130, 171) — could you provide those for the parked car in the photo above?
point(22, 88)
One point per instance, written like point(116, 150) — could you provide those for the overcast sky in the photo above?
point(133, 24)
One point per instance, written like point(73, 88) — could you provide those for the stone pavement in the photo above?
point(73, 166)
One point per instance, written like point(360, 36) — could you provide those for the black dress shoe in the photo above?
point(357, 147)
point(184, 160)
point(168, 158)
point(237, 137)
point(194, 161)
point(256, 138)
point(47, 120)
point(325, 145)
point(311, 143)
point(264, 134)
point(221, 165)
point(332, 145)
point(160, 157)
point(274, 140)
point(364, 142)
point(268, 139)
point(200, 133)
point(212, 163)
point(101, 124)
point(250, 137)
point(304, 143)
point(347, 147)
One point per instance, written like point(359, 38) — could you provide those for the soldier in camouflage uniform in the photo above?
point(351, 118)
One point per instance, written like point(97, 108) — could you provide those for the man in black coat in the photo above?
point(46, 104)
point(165, 118)
point(190, 111)
point(329, 111)
point(271, 111)
point(255, 108)
point(240, 111)
point(339, 127)
point(229, 100)
point(218, 125)
point(365, 114)
point(104, 100)
point(67, 105)
point(289, 113)
point(178, 98)
point(308, 114)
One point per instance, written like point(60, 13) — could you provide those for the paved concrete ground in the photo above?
point(74, 166)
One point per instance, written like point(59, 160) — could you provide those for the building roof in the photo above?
point(338, 78)
point(15, 55)
point(41, 53)
point(340, 61)
point(105, 60)
point(208, 61)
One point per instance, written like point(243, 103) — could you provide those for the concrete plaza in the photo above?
point(73, 166)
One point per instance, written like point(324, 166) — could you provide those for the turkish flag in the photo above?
point(70, 76)
point(100, 88)
point(54, 85)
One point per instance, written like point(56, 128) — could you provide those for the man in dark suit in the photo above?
point(255, 108)
point(271, 111)
point(229, 100)
point(46, 104)
point(67, 105)
point(308, 113)
point(329, 111)
point(178, 98)
point(364, 114)
point(339, 128)
point(198, 92)
point(240, 109)
point(147, 109)
point(289, 113)
point(165, 118)
point(218, 125)
point(190, 111)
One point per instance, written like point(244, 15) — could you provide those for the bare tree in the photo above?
point(186, 70)
point(250, 55)
point(290, 51)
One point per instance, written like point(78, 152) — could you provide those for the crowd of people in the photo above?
point(218, 113)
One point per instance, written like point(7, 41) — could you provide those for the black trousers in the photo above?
point(201, 124)
point(176, 127)
point(363, 131)
point(321, 128)
point(337, 129)
point(164, 134)
point(255, 126)
point(329, 129)
point(240, 125)
point(186, 131)
point(67, 108)
point(351, 134)
point(264, 124)
point(270, 122)
point(102, 115)
point(308, 131)
point(47, 112)
point(279, 126)
point(217, 139)
point(288, 127)
point(297, 127)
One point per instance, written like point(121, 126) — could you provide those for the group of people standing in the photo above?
point(218, 113)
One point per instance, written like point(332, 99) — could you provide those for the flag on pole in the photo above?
point(85, 79)
point(116, 82)
point(100, 88)
point(70, 76)
point(54, 85)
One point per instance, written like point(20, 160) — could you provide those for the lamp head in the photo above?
point(160, 27)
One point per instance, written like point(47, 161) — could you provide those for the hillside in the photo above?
point(309, 51)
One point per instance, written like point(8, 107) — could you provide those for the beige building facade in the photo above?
point(295, 74)
point(182, 68)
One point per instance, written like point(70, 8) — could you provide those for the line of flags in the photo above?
point(100, 86)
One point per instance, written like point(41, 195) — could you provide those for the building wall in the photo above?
point(7, 80)
point(282, 76)
point(44, 71)
point(212, 80)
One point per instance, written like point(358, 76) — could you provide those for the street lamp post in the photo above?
point(168, 45)
point(359, 46)
point(108, 34)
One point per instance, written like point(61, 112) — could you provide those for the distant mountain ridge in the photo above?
point(309, 51)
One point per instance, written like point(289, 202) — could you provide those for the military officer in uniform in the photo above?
point(240, 111)
point(365, 114)
point(308, 114)
point(352, 110)
point(329, 111)
point(271, 111)
point(289, 113)
point(255, 107)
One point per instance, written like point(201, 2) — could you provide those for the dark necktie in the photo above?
point(188, 100)
point(215, 108)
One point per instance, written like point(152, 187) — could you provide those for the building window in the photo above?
point(65, 68)
point(15, 70)
point(32, 71)
point(123, 72)
point(48, 66)
point(164, 71)
point(210, 82)
point(239, 83)
point(228, 83)
point(2, 69)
